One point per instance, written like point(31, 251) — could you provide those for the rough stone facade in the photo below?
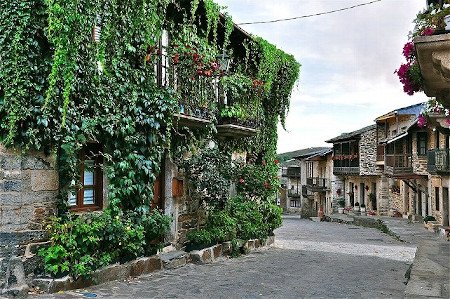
point(368, 153)
point(28, 190)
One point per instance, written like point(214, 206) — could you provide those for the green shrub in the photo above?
point(428, 218)
point(249, 219)
point(271, 216)
point(81, 244)
point(220, 227)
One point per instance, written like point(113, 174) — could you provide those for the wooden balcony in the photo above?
point(398, 165)
point(438, 161)
point(307, 193)
point(346, 164)
point(237, 128)
point(380, 155)
point(291, 172)
point(294, 193)
point(433, 56)
point(317, 184)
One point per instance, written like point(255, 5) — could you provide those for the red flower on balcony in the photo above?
point(176, 58)
point(427, 31)
point(408, 51)
point(241, 181)
point(421, 121)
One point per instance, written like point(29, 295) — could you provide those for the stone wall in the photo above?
point(28, 189)
point(419, 163)
point(368, 153)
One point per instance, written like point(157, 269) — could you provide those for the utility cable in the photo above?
point(311, 15)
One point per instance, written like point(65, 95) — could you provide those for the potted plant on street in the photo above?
point(356, 207)
point(363, 209)
point(341, 203)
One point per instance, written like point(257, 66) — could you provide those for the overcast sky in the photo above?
point(348, 60)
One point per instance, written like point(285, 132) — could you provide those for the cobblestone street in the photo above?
point(308, 260)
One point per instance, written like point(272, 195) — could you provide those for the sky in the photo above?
point(348, 61)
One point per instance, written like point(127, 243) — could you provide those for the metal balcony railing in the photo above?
point(318, 184)
point(438, 161)
point(293, 193)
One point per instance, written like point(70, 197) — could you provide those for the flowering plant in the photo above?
point(431, 19)
point(409, 72)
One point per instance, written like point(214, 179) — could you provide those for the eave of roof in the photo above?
point(351, 135)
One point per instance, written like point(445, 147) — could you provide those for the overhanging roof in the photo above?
point(351, 135)
point(409, 110)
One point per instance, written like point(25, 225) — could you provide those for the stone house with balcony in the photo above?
point(355, 170)
point(433, 58)
point(290, 192)
point(402, 156)
point(305, 181)
point(319, 175)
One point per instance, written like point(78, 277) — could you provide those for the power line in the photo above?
point(312, 15)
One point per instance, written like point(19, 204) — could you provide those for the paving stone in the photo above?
point(279, 272)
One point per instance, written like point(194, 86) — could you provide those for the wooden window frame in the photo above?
point(95, 149)
point(422, 143)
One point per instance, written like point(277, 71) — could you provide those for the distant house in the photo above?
point(305, 181)
point(354, 165)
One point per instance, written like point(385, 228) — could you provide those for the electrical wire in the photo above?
point(311, 15)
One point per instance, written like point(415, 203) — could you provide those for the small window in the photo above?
point(422, 140)
point(294, 203)
point(90, 194)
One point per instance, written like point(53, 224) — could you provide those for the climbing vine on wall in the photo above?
point(61, 88)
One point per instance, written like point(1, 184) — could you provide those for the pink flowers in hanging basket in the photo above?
point(409, 73)
point(408, 51)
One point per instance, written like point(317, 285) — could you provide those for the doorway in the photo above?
point(362, 194)
point(374, 196)
point(445, 207)
point(419, 202)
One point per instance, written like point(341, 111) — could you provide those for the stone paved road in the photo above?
point(308, 260)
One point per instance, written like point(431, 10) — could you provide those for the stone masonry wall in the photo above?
point(368, 153)
point(28, 189)
point(419, 163)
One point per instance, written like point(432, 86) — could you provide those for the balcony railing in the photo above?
point(294, 193)
point(291, 172)
point(438, 161)
point(398, 164)
point(307, 193)
point(317, 184)
point(346, 170)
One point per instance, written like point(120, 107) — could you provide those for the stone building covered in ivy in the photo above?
point(125, 125)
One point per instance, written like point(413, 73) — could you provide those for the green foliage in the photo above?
point(81, 244)
point(233, 111)
point(249, 220)
point(60, 89)
point(209, 174)
point(432, 17)
point(428, 218)
point(219, 228)
point(256, 181)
